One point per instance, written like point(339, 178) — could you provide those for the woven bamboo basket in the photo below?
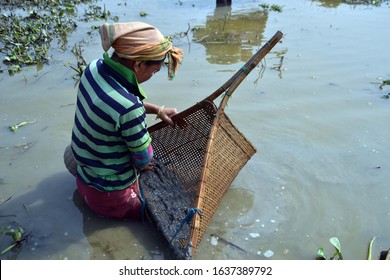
point(206, 151)
point(203, 152)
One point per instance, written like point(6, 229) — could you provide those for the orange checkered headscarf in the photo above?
point(140, 41)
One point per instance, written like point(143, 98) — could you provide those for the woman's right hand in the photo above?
point(166, 114)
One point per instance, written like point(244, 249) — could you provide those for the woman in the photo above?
point(110, 140)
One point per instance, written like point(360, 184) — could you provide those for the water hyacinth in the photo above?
point(27, 29)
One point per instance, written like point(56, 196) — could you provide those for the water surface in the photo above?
point(314, 111)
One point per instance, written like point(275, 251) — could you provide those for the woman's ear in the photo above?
point(137, 66)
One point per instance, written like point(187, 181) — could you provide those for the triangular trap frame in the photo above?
point(205, 151)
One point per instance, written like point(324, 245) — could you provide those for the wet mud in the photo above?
point(168, 206)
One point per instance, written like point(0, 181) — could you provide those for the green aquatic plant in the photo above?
point(95, 12)
point(13, 69)
point(369, 255)
point(276, 8)
point(28, 28)
point(81, 63)
point(273, 7)
point(18, 237)
point(384, 83)
point(25, 38)
point(336, 256)
point(15, 127)
point(384, 255)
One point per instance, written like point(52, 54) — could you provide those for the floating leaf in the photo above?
point(16, 126)
point(321, 253)
point(336, 244)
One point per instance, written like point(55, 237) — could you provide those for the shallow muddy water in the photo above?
point(315, 113)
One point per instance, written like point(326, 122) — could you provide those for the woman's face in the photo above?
point(144, 71)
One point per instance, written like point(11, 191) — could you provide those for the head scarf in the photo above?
point(140, 41)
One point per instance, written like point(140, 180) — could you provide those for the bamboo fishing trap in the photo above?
point(200, 156)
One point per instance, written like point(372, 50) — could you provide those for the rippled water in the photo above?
point(315, 113)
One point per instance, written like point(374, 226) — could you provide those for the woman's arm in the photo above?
point(162, 112)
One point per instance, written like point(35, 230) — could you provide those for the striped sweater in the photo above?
point(109, 136)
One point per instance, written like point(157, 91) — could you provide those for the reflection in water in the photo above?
point(113, 239)
point(330, 3)
point(336, 3)
point(229, 37)
point(224, 3)
point(42, 212)
point(229, 220)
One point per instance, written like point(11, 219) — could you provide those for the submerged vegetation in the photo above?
point(15, 127)
point(28, 28)
point(16, 232)
point(336, 256)
point(273, 7)
point(385, 83)
point(18, 237)
point(382, 84)
point(81, 63)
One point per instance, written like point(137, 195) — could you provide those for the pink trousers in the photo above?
point(122, 204)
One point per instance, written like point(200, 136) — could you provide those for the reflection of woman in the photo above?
point(224, 3)
point(110, 141)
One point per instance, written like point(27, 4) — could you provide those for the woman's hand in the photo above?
point(166, 114)
point(162, 112)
